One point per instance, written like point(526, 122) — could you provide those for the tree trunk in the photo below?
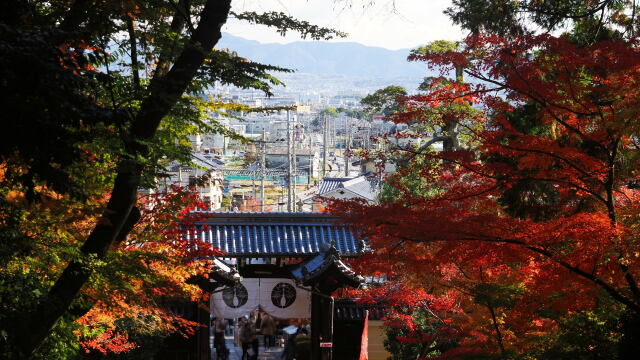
point(164, 91)
point(134, 56)
point(496, 327)
point(450, 129)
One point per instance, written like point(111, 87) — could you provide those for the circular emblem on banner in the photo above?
point(235, 296)
point(283, 295)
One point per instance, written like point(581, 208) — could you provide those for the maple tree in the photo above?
point(529, 230)
point(154, 263)
point(126, 290)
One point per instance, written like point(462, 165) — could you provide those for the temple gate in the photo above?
point(289, 263)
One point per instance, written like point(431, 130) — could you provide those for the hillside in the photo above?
point(327, 58)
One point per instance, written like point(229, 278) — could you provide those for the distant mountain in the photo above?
point(326, 58)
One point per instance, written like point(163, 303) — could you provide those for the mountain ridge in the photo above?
point(328, 58)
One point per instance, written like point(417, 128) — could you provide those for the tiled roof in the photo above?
point(223, 273)
point(205, 162)
point(255, 234)
point(310, 270)
point(359, 185)
point(199, 160)
point(348, 309)
point(329, 184)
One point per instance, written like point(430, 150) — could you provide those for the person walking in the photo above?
point(255, 346)
point(248, 340)
point(219, 327)
point(269, 331)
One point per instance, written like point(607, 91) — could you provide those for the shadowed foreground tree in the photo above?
point(103, 94)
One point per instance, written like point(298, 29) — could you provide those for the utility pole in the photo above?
point(289, 155)
point(254, 172)
point(324, 147)
point(335, 135)
point(294, 165)
point(311, 157)
point(263, 164)
point(347, 147)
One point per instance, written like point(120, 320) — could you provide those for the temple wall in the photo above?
point(376, 341)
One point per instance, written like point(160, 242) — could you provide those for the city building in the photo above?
point(205, 174)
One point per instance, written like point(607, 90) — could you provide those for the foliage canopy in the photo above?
point(104, 94)
point(528, 230)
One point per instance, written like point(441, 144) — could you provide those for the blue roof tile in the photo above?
point(276, 234)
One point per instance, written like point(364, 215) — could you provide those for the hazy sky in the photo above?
point(413, 23)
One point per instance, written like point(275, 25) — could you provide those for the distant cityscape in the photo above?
point(298, 156)
point(295, 155)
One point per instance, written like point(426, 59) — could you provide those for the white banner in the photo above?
point(279, 298)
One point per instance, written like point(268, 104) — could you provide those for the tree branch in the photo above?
point(613, 292)
point(601, 6)
point(497, 329)
point(543, 103)
point(574, 269)
point(134, 56)
point(167, 53)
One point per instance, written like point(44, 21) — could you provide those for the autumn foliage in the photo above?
point(535, 220)
point(153, 264)
point(129, 290)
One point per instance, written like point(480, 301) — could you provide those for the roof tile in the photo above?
point(276, 234)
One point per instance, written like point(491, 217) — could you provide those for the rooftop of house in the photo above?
point(201, 161)
point(204, 161)
point(360, 185)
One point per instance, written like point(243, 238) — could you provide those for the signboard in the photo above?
point(279, 298)
point(326, 344)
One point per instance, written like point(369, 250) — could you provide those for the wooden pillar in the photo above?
point(321, 326)
point(202, 332)
point(327, 328)
point(316, 318)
